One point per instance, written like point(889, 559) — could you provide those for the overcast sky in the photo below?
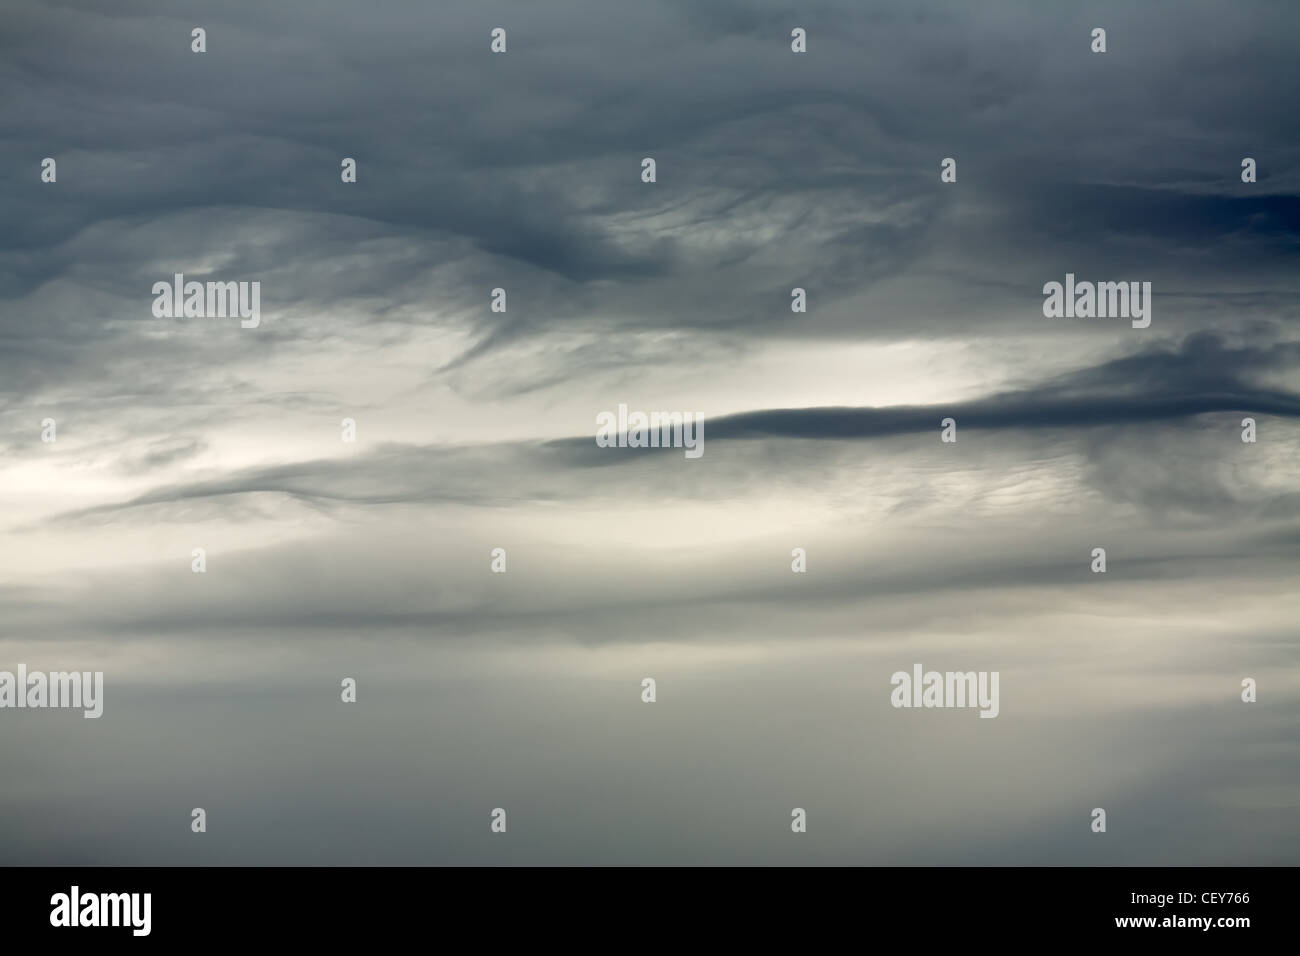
point(476, 430)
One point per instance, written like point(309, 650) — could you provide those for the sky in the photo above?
point(476, 430)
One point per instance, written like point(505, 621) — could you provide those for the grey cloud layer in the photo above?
point(774, 171)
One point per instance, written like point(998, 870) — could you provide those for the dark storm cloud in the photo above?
point(1155, 384)
point(526, 159)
